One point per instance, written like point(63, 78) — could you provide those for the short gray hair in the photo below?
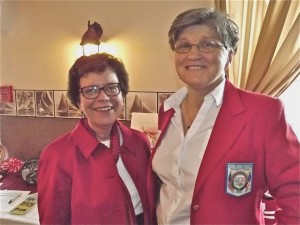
point(226, 29)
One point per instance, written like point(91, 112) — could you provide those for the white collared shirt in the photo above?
point(178, 158)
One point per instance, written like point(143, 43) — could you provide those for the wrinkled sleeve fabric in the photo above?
point(282, 165)
point(54, 186)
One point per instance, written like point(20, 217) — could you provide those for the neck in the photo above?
point(201, 92)
point(101, 132)
point(103, 138)
point(189, 111)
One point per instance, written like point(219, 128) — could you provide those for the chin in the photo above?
point(109, 120)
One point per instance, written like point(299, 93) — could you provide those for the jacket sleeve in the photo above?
point(283, 165)
point(54, 192)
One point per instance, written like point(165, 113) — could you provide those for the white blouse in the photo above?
point(178, 158)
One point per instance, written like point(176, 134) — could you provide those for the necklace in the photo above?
point(188, 115)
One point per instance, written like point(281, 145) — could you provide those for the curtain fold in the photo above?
point(267, 42)
point(273, 82)
point(220, 5)
point(267, 60)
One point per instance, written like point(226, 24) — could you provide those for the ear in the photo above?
point(80, 110)
point(229, 59)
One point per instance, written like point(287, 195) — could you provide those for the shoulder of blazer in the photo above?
point(247, 94)
point(132, 137)
point(244, 99)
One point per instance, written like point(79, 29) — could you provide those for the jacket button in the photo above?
point(195, 207)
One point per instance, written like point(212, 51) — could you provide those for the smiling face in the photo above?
point(102, 111)
point(201, 71)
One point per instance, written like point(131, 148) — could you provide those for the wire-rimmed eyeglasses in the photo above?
point(203, 46)
point(91, 92)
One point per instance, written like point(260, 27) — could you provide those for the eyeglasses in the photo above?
point(203, 46)
point(91, 92)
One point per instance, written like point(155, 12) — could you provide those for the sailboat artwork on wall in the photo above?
point(123, 111)
point(65, 108)
point(7, 108)
point(141, 103)
point(45, 105)
point(139, 106)
point(25, 103)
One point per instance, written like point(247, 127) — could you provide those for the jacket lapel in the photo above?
point(226, 130)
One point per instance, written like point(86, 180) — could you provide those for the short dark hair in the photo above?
point(95, 63)
point(225, 28)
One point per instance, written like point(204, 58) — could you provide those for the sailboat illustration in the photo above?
point(65, 108)
point(45, 105)
point(5, 107)
point(26, 102)
point(139, 106)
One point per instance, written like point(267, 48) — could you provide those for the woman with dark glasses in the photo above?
point(96, 174)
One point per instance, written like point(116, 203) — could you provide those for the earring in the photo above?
point(81, 113)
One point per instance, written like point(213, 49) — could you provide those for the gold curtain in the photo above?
point(268, 57)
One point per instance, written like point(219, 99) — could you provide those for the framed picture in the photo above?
point(44, 103)
point(141, 102)
point(63, 107)
point(122, 115)
point(9, 108)
point(25, 102)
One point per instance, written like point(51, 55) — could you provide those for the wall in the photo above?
point(40, 41)
point(26, 137)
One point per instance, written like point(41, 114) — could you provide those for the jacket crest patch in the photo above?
point(239, 178)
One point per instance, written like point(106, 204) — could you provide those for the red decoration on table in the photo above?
point(11, 165)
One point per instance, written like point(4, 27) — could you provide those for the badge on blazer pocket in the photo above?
point(239, 178)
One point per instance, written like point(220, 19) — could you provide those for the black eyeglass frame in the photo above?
point(99, 89)
point(200, 45)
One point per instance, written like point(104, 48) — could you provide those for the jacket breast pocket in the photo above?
point(238, 178)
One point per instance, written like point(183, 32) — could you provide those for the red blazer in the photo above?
point(78, 181)
point(250, 129)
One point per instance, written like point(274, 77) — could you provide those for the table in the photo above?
point(13, 181)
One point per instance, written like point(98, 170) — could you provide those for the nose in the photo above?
point(195, 52)
point(195, 47)
point(102, 95)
